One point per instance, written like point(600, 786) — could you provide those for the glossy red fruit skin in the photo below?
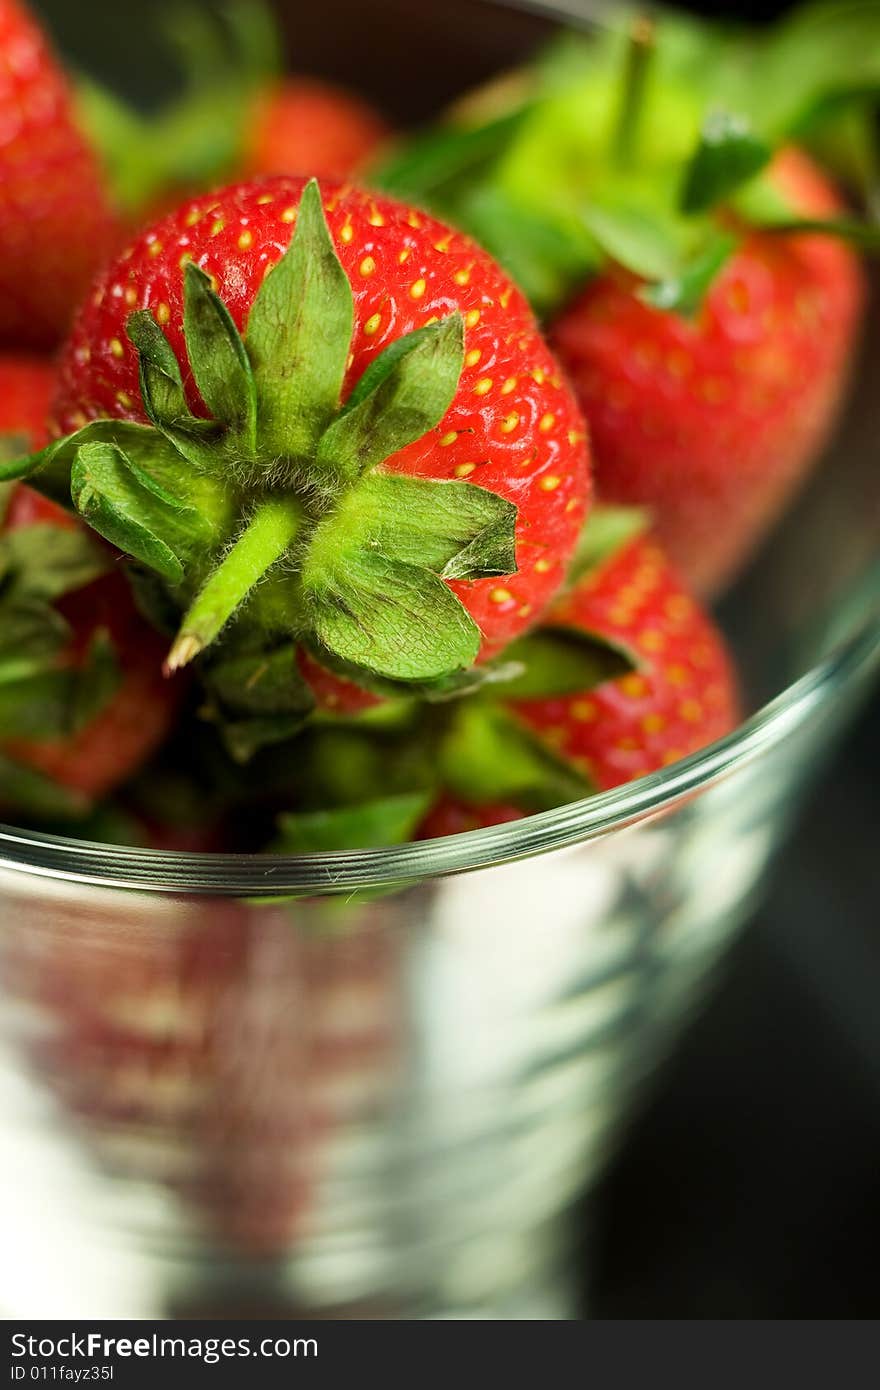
point(682, 695)
point(333, 693)
point(56, 224)
point(713, 422)
point(513, 428)
point(303, 126)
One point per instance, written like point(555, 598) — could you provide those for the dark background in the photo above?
point(751, 1185)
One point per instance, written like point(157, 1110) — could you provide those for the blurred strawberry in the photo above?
point(647, 188)
point(56, 224)
point(678, 695)
point(236, 115)
point(712, 420)
point(302, 126)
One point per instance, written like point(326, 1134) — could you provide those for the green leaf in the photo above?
point(49, 469)
point(59, 702)
point(217, 356)
point(298, 339)
point(199, 441)
point(227, 56)
point(32, 637)
point(94, 683)
point(729, 154)
point(388, 617)
point(426, 164)
point(433, 692)
point(635, 238)
point(256, 697)
point(454, 529)
point(547, 253)
point(865, 236)
point(340, 764)
point(403, 394)
point(563, 661)
point(607, 530)
point(683, 292)
point(45, 561)
point(29, 793)
point(387, 821)
point(152, 598)
point(487, 757)
point(127, 507)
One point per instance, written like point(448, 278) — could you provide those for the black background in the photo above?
point(751, 1186)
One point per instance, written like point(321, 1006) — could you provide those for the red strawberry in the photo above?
point(680, 696)
point(301, 126)
point(26, 388)
point(452, 817)
point(27, 385)
point(429, 522)
point(55, 222)
point(137, 716)
point(712, 422)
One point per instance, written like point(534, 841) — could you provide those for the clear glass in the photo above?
point(375, 1084)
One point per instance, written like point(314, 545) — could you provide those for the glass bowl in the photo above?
point(375, 1084)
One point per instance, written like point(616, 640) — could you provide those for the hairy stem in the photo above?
point(269, 532)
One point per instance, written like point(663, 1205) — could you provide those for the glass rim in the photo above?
point(325, 874)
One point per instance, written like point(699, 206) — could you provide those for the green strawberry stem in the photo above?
point(640, 50)
point(270, 531)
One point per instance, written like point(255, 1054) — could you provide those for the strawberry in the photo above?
point(56, 223)
point(625, 675)
point(451, 817)
point(682, 694)
point(713, 421)
point(302, 126)
point(70, 721)
point(235, 115)
point(399, 537)
point(678, 696)
point(646, 189)
point(26, 388)
point(95, 752)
